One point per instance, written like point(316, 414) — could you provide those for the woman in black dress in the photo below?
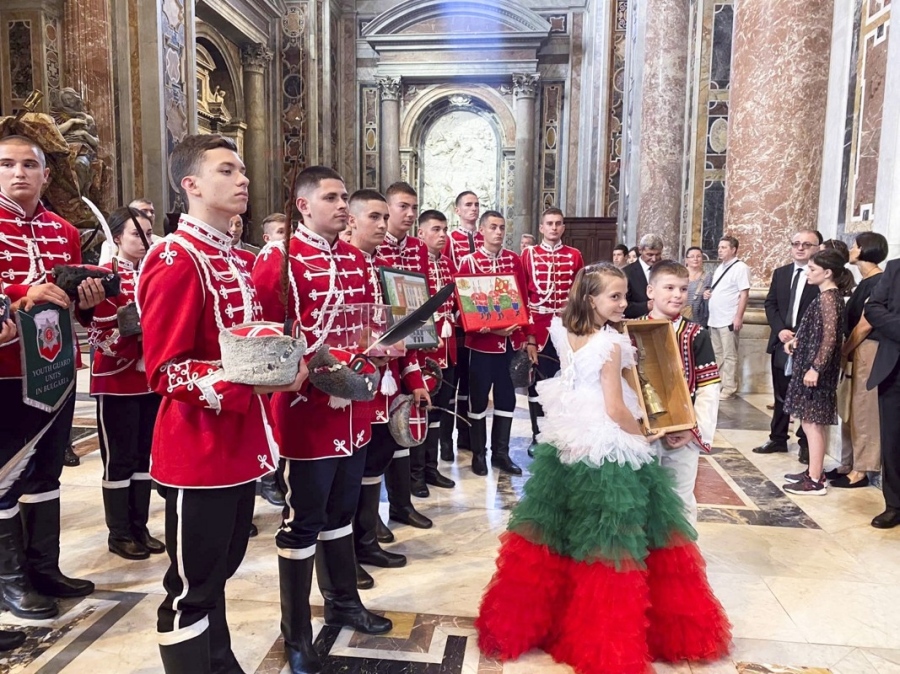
point(816, 354)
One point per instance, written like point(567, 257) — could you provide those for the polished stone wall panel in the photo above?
point(615, 109)
point(370, 116)
point(573, 103)
point(776, 128)
point(21, 62)
point(294, 110)
point(550, 144)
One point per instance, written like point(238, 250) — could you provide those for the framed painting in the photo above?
point(490, 301)
point(406, 291)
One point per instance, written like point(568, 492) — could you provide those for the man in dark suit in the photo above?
point(638, 275)
point(788, 297)
point(883, 313)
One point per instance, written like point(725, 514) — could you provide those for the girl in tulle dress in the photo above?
point(598, 566)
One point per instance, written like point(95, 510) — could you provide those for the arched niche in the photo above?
point(228, 73)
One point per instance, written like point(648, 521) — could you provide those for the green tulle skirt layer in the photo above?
point(611, 513)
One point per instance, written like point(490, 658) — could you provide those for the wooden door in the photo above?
point(594, 237)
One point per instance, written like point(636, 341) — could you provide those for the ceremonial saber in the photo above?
point(104, 225)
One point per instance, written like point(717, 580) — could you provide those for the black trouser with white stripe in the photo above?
point(489, 371)
point(125, 425)
point(206, 534)
point(547, 367)
point(439, 420)
point(462, 389)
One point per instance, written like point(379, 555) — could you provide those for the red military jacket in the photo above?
point(323, 276)
point(117, 367)
point(209, 432)
point(458, 245)
point(246, 259)
point(408, 254)
point(549, 273)
point(440, 273)
point(481, 262)
point(29, 249)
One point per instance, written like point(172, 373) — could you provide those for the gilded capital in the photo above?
point(390, 88)
point(255, 56)
point(525, 84)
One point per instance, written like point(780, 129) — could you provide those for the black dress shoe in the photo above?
point(833, 474)
point(803, 456)
point(505, 464)
point(843, 482)
point(254, 530)
point(771, 447)
point(447, 454)
point(887, 520)
point(411, 517)
point(154, 546)
point(437, 480)
point(479, 465)
point(363, 580)
point(55, 584)
point(380, 558)
point(419, 489)
point(128, 549)
point(70, 458)
point(10, 640)
point(382, 533)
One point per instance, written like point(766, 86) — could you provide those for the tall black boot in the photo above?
point(397, 481)
point(463, 431)
point(41, 527)
point(336, 572)
point(10, 640)
point(221, 657)
point(271, 491)
point(534, 412)
point(118, 521)
point(187, 657)
point(446, 435)
point(295, 579)
point(383, 533)
point(139, 507)
point(432, 474)
point(417, 486)
point(478, 436)
point(500, 429)
point(365, 531)
point(16, 593)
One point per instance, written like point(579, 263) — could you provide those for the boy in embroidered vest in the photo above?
point(32, 442)
point(681, 451)
point(213, 438)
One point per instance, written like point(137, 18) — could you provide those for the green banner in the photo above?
point(48, 355)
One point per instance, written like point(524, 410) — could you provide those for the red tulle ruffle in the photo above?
point(687, 622)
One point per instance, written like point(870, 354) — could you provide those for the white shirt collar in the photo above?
point(551, 249)
point(208, 233)
point(306, 235)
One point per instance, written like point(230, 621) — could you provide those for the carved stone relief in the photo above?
point(459, 152)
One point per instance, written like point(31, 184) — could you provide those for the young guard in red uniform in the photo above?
point(32, 442)
point(461, 242)
point(324, 446)
point(367, 224)
point(433, 232)
point(126, 407)
point(406, 471)
point(213, 438)
point(490, 354)
point(550, 269)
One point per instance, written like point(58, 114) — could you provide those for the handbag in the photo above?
point(844, 392)
point(701, 316)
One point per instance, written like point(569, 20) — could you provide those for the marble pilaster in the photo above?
point(524, 91)
point(887, 189)
point(664, 90)
point(779, 81)
point(87, 40)
point(390, 130)
point(255, 59)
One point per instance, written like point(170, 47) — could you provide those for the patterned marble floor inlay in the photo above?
point(752, 668)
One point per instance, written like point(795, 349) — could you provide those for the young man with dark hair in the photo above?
point(32, 442)
point(550, 270)
point(274, 227)
point(406, 472)
point(680, 452)
point(213, 438)
point(491, 352)
point(323, 444)
point(461, 241)
point(433, 232)
point(620, 256)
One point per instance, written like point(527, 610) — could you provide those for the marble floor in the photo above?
point(807, 583)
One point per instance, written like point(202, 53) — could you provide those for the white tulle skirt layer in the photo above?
point(576, 424)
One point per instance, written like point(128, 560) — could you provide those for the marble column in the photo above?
point(524, 89)
point(89, 71)
point(779, 84)
point(255, 59)
point(664, 92)
point(390, 130)
point(887, 188)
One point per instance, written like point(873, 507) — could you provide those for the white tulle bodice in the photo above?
point(576, 422)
